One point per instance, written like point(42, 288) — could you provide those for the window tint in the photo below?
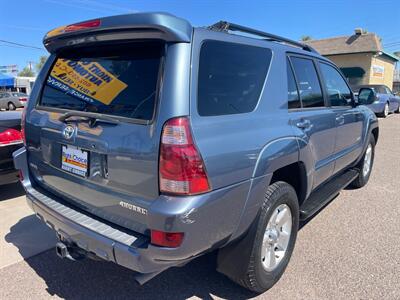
point(231, 77)
point(293, 94)
point(119, 81)
point(338, 92)
point(308, 83)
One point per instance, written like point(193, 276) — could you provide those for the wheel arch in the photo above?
point(375, 133)
point(294, 174)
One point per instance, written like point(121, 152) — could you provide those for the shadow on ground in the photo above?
point(10, 191)
point(94, 279)
point(102, 280)
point(31, 236)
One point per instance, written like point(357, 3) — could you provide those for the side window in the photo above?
point(388, 91)
point(293, 93)
point(338, 92)
point(380, 89)
point(308, 83)
point(231, 77)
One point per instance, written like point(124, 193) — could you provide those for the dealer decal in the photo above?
point(88, 81)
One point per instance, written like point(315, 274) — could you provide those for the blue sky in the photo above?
point(26, 22)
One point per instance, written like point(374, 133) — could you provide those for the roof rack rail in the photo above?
point(226, 26)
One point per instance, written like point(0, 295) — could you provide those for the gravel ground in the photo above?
point(349, 250)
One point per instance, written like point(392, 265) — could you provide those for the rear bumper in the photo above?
point(208, 221)
point(377, 107)
point(109, 243)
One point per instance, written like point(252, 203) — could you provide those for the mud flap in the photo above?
point(233, 260)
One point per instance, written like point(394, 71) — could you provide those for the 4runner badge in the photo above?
point(134, 208)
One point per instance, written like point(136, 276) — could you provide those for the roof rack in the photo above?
point(226, 26)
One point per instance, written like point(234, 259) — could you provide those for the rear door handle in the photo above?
point(303, 124)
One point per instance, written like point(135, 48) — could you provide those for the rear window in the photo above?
point(231, 77)
point(19, 94)
point(115, 80)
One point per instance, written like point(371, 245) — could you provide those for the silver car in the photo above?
point(12, 100)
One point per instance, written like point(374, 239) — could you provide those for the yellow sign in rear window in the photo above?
point(85, 80)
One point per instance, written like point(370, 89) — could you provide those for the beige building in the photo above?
point(396, 81)
point(360, 57)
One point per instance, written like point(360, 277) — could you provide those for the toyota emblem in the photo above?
point(68, 132)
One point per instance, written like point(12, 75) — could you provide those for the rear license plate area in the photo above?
point(74, 160)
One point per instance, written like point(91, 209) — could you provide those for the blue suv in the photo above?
point(149, 142)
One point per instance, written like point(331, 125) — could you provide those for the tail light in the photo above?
point(10, 136)
point(23, 99)
point(20, 175)
point(182, 170)
point(166, 239)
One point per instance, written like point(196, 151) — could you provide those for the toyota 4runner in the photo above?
point(149, 142)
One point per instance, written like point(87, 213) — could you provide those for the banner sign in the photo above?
point(87, 81)
point(9, 69)
point(378, 71)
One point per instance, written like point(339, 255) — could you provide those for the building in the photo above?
point(16, 84)
point(396, 81)
point(24, 84)
point(360, 57)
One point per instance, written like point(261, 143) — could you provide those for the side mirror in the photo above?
point(366, 96)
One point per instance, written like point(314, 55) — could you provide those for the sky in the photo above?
point(26, 22)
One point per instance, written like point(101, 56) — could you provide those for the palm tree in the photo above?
point(305, 38)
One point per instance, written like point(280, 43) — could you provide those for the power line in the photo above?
point(391, 44)
point(21, 45)
point(17, 47)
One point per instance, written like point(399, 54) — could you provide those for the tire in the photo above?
point(257, 276)
point(397, 111)
point(363, 177)
point(385, 111)
point(11, 106)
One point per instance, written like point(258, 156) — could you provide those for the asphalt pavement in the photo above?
point(350, 250)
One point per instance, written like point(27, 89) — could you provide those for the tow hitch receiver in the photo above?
point(71, 252)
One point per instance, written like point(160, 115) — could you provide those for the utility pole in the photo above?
point(30, 64)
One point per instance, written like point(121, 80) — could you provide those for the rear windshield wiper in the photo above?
point(93, 117)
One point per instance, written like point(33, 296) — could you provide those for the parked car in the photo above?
point(12, 100)
point(384, 103)
point(10, 140)
point(150, 142)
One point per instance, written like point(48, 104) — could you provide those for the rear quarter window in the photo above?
point(114, 80)
point(308, 82)
point(231, 77)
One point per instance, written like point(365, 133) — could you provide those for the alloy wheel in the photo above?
point(367, 160)
point(276, 237)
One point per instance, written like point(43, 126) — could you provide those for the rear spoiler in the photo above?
point(123, 27)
